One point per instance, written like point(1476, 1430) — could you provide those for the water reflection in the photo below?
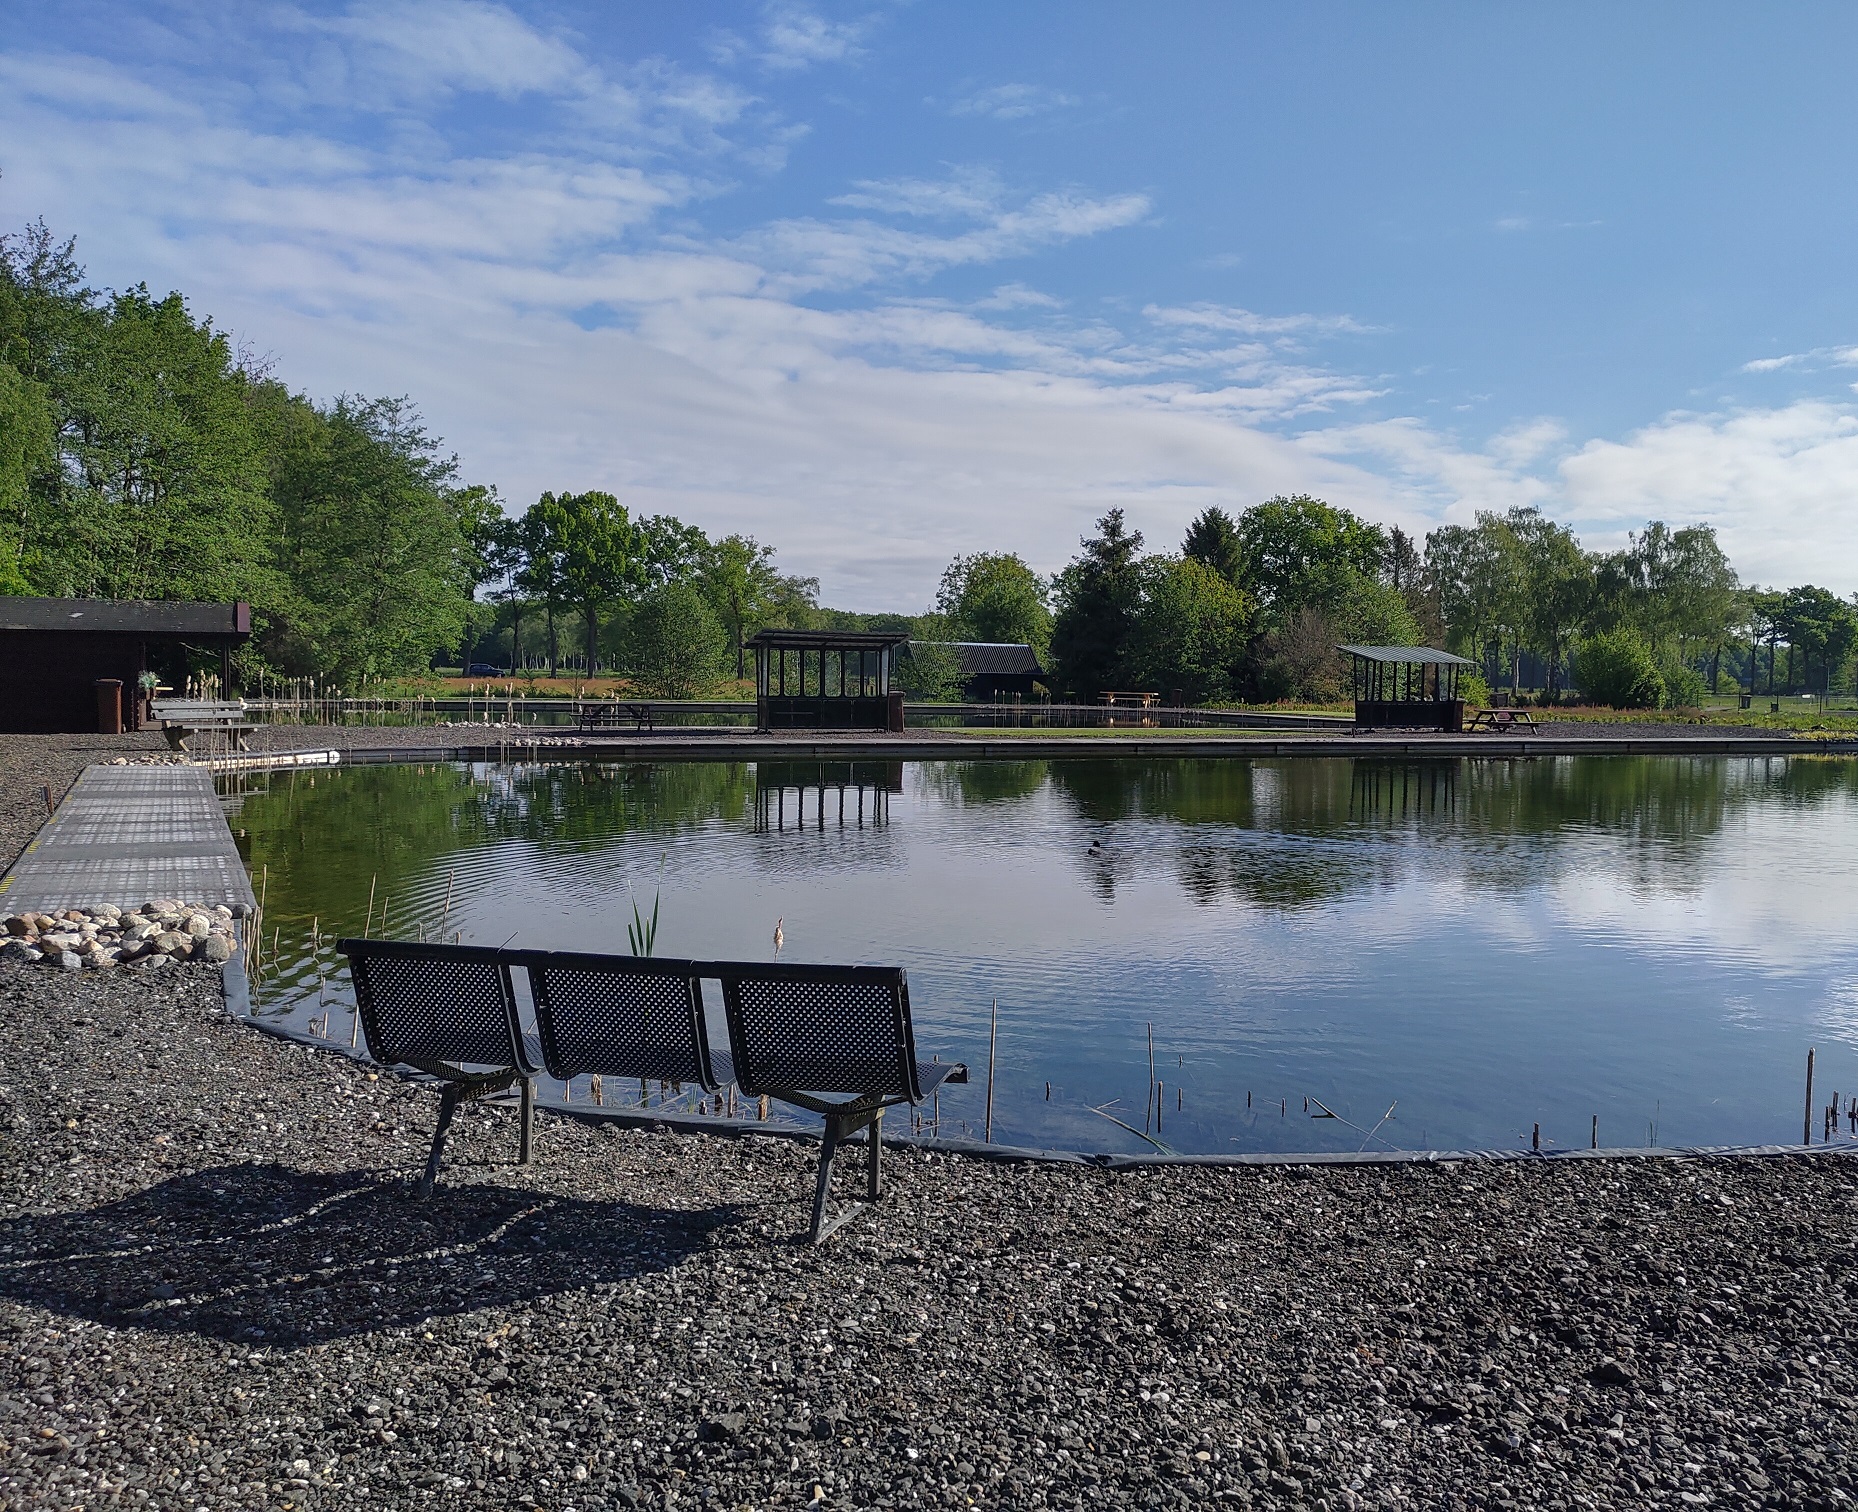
point(1491, 943)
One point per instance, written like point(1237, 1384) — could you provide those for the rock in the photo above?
point(199, 926)
point(170, 943)
point(68, 960)
point(214, 948)
point(17, 924)
point(1612, 1372)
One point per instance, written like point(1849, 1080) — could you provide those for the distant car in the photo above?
point(482, 669)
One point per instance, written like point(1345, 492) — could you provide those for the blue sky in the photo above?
point(883, 283)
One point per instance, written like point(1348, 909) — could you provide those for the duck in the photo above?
point(1096, 848)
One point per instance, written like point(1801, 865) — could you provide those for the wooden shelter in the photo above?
point(826, 679)
point(1411, 687)
point(74, 665)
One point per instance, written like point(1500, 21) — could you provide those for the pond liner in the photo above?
point(236, 985)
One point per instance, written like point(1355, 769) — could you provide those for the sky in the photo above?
point(882, 283)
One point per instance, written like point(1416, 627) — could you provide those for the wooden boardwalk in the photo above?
point(127, 835)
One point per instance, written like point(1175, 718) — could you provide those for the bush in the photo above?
point(928, 670)
point(1472, 687)
point(1616, 668)
point(674, 644)
point(1684, 687)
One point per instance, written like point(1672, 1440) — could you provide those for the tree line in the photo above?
point(143, 456)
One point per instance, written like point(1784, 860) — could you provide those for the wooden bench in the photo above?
point(182, 717)
point(606, 716)
point(1502, 719)
point(835, 1040)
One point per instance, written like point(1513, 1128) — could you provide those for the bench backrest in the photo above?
point(819, 1028)
point(449, 1004)
point(607, 1015)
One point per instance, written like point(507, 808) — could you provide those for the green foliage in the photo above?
point(674, 646)
point(1617, 668)
point(1213, 541)
point(739, 576)
point(996, 598)
point(1684, 687)
point(1300, 552)
point(379, 566)
point(1472, 688)
point(28, 448)
point(927, 670)
point(1097, 599)
point(1190, 631)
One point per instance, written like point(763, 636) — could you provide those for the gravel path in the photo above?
point(215, 1293)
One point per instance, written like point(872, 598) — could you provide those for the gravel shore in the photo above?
point(215, 1292)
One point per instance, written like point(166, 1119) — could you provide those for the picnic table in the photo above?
point(607, 716)
point(1502, 719)
point(184, 717)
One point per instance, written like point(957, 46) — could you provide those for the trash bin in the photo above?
point(109, 705)
point(1747, 699)
point(894, 712)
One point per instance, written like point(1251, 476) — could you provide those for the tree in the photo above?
point(1097, 596)
point(1556, 585)
point(594, 553)
point(995, 598)
point(1189, 632)
point(738, 574)
point(371, 540)
point(1820, 624)
point(674, 645)
point(28, 448)
point(1300, 551)
point(1213, 541)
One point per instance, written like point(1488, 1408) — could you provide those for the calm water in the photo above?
point(1480, 945)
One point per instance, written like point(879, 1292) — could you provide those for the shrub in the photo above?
point(1684, 687)
point(1472, 687)
point(674, 644)
point(1616, 668)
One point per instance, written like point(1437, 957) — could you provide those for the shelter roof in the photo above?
point(991, 658)
point(828, 640)
point(126, 616)
point(1412, 656)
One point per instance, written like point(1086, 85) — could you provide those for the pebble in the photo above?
point(106, 935)
point(217, 1293)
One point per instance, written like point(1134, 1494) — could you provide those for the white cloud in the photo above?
point(792, 37)
point(1247, 323)
point(459, 44)
point(1819, 357)
point(1011, 102)
point(1776, 483)
point(564, 319)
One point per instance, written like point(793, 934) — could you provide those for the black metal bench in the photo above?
point(446, 1010)
point(835, 1040)
point(603, 1015)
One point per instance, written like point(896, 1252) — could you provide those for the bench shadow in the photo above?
point(287, 1257)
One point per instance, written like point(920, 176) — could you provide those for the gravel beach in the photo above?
point(215, 1292)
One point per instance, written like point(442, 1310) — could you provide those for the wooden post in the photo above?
point(993, 1037)
point(1595, 1144)
point(1806, 1126)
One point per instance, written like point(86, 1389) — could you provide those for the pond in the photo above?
point(1441, 954)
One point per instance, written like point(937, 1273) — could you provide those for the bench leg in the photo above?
point(177, 737)
point(838, 1130)
point(448, 1105)
point(876, 1136)
point(528, 1117)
